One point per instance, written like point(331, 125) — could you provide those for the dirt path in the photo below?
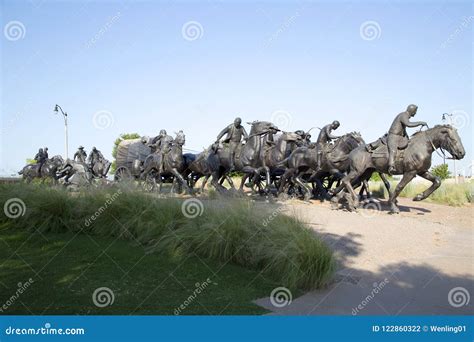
point(391, 264)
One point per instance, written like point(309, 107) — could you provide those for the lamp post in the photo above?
point(450, 116)
point(56, 110)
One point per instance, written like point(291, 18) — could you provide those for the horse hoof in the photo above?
point(418, 198)
point(394, 211)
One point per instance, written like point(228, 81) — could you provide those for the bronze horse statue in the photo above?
point(49, 170)
point(198, 167)
point(248, 160)
point(100, 168)
point(416, 160)
point(159, 166)
point(334, 162)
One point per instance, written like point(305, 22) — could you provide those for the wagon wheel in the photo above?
point(150, 183)
point(122, 174)
point(326, 183)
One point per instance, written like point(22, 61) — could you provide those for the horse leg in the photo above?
point(436, 183)
point(173, 185)
point(230, 181)
point(385, 181)
point(181, 180)
point(204, 182)
point(242, 182)
point(364, 189)
point(247, 170)
point(307, 192)
point(407, 177)
point(283, 180)
point(267, 174)
point(347, 183)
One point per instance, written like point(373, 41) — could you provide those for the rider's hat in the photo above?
point(336, 123)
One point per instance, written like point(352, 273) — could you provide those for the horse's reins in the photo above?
point(442, 154)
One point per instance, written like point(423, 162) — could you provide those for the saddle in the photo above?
point(379, 148)
point(372, 147)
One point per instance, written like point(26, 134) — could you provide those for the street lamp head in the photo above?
point(56, 109)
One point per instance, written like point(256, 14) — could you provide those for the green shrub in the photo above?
point(441, 171)
point(240, 232)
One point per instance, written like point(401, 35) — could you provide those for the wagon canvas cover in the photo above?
point(129, 150)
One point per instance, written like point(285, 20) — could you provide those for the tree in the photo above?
point(441, 171)
point(123, 136)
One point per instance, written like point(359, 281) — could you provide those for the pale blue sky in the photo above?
point(308, 59)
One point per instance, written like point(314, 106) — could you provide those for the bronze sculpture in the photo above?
point(80, 155)
point(282, 160)
point(247, 158)
point(98, 164)
point(304, 160)
point(415, 160)
point(40, 158)
point(162, 142)
point(48, 168)
point(160, 165)
point(235, 132)
point(325, 137)
point(397, 134)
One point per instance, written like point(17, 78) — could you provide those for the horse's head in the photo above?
point(450, 140)
point(291, 136)
point(261, 127)
point(352, 139)
point(180, 138)
point(57, 161)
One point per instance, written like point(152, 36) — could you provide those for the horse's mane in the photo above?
point(419, 133)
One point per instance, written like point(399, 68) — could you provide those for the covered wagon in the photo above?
point(131, 155)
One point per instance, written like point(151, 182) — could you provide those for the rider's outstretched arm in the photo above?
point(411, 124)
